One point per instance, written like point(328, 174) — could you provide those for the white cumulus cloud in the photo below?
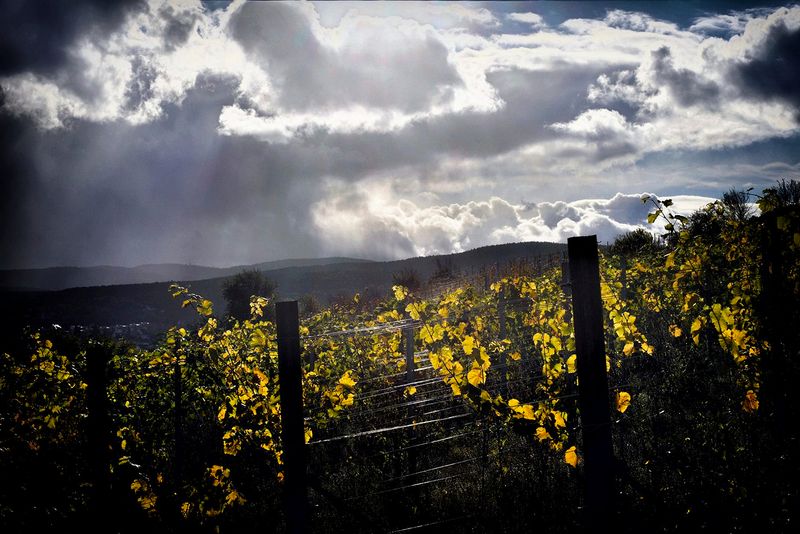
point(370, 224)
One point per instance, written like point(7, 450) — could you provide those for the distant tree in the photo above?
point(737, 206)
point(703, 223)
point(238, 290)
point(786, 193)
point(407, 278)
point(309, 305)
point(445, 270)
point(638, 241)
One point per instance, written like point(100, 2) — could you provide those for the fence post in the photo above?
point(779, 311)
point(593, 398)
point(98, 430)
point(408, 341)
point(408, 336)
point(292, 429)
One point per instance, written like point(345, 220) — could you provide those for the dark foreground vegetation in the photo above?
point(482, 435)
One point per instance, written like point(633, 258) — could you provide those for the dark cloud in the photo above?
point(772, 71)
point(179, 24)
point(686, 86)
point(35, 36)
point(171, 190)
point(140, 86)
point(533, 100)
point(175, 190)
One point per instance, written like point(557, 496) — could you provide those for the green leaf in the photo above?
point(651, 217)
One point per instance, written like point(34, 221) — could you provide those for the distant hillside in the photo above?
point(151, 303)
point(56, 278)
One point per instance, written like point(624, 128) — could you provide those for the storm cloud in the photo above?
point(170, 131)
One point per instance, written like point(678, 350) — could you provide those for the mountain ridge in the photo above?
point(67, 277)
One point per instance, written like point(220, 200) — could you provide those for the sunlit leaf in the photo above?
point(623, 401)
point(571, 456)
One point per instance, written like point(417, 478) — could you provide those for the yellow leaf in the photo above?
point(675, 330)
point(623, 401)
point(750, 403)
point(559, 418)
point(516, 356)
point(257, 338)
point(542, 434)
point(697, 324)
point(627, 350)
point(527, 412)
point(347, 380)
point(468, 344)
point(476, 375)
point(309, 434)
point(399, 292)
point(410, 390)
point(205, 308)
point(572, 363)
point(222, 411)
point(412, 311)
point(571, 457)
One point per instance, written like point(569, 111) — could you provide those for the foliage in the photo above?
point(238, 290)
point(195, 423)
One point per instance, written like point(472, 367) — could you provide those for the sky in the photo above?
point(226, 133)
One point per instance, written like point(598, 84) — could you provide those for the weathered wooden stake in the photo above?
point(411, 435)
point(408, 339)
point(292, 430)
point(593, 397)
point(98, 431)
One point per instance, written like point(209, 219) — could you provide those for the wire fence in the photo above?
point(422, 443)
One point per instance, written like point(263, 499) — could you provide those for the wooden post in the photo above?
point(779, 313)
point(593, 397)
point(408, 335)
point(98, 431)
point(292, 429)
point(408, 341)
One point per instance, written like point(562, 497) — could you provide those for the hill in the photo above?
point(140, 311)
point(56, 278)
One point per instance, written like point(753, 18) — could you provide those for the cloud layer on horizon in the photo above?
point(364, 220)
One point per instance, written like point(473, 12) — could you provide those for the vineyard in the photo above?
point(470, 405)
